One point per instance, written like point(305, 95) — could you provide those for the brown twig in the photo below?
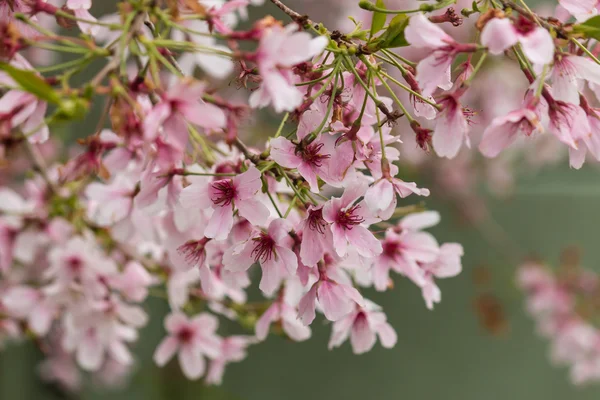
point(297, 17)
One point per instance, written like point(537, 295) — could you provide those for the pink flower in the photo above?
point(133, 282)
point(451, 127)
point(22, 109)
point(271, 249)
point(317, 238)
point(501, 33)
point(311, 160)
point(447, 265)
point(434, 70)
point(81, 10)
point(233, 349)
point(402, 252)
point(568, 72)
point(182, 103)
point(110, 203)
point(346, 219)
point(363, 325)
point(587, 141)
point(580, 9)
point(336, 299)
point(279, 50)
point(225, 195)
point(504, 130)
point(567, 121)
point(381, 196)
point(192, 339)
point(281, 312)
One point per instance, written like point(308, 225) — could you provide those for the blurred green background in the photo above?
point(440, 354)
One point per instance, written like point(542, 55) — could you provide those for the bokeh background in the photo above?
point(446, 353)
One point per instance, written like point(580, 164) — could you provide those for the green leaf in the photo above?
point(590, 28)
point(378, 20)
point(30, 82)
point(394, 34)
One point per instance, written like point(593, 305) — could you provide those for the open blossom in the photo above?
point(312, 160)
point(336, 299)
point(568, 72)
point(182, 103)
point(434, 71)
point(81, 10)
point(192, 339)
point(233, 349)
point(501, 33)
point(402, 252)
point(381, 196)
point(283, 313)
point(271, 249)
point(278, 51)
point(505, 130)
point(347, 219)
point(317, 239)
point(451, 128)
point(587, 141)
point(363, 326)
point(446, 265)
point(580, 9)
point(224, 196)
point(21, 109)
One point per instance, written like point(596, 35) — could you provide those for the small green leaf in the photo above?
point(394, 35)
point(590, 28)
point(378, 20)
point(30, 82)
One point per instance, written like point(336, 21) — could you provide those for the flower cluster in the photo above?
point(564, 304)
point(164, 197)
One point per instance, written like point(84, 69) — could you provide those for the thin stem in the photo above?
point(389, 89)
point(585, 49)
point(282, 124)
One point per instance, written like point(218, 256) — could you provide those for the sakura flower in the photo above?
point(586, 140)
point(271, 249)
point(402, 252)
point(280, 49)
point(133, 282)
point(580, 9)
point(447, 265)
point(215, 65)
point(451, 128)
point(567, 121)
point(501, 33)
point(233, 349)
point(346, 219)
point(505, 130)
point(81, 10)
point(310, 160)
point(567, 74)
point(180, 104)
point(363, 326)
point(434, 70)
point(94, 336)
point(110, 203)
point(381, 196)
point(193, 339)
point(20, 109)
point(335, 298)
point(31, 305)
point(317, 238)
point(282, 313)
point(225, 195)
